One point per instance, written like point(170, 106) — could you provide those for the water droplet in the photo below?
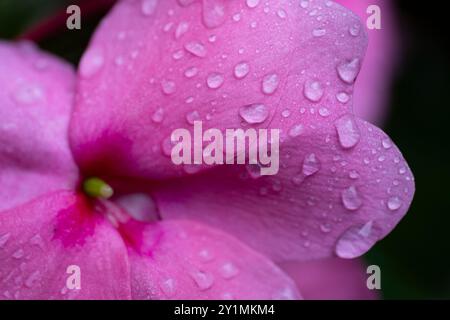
point(343, 97)
point(241, 70)
point(206, 255)
point(229, 270)
point(18, 254)
point(324, 112)
point(254, 113)
point(191, 72)
point(148, 7)
point(320, 32)
point(355, 241)
point(168, 86)
point(304, 4)
point(168, 287)
point(347, 131)
point(252, 3)
point(177, 55)
point(270, 83)
point(351, 199)
point(158, 115)
point(353, 174)
point(394, 203)
point(325, 228)
point(37, 240)
point(28, 94)
point(311, 165)
point(203, 280)
point(193, 116)
point(281, 14)
point(348, 70)
point(91, 63)
point(213, 13)
point(296, 130)
point(4, 239)
point(355, 30)
point(313, 91)
point(181, 29)
point(32, 279)
point(387, 144)
point(196, 48)
point(214, 80)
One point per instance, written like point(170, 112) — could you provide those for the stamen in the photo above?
point(97, 188)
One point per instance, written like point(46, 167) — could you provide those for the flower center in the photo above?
point(97, 188)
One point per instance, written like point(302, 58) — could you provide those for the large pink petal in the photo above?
point(375, 79)
point(156, 66)
point(326, 199)
point(331, 279)
point(41, 239)
point(35, 104)
point(185, 260)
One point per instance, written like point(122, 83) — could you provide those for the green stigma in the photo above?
point(97, 188)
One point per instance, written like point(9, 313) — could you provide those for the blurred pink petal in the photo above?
point(41, 239)
point(331, 279)
point(372, 89)
point(185, 260)
point(35, 103)
point(342, 184)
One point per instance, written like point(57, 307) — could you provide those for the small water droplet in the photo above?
point(353, 174)
point(148, 7)
point(343, 97)
point(196, 48)
point(394, 203)
point(351, 199)
point(228, 270)
point(355, 30)
point(252, 3)
point(4, 239)
point(270, 83)
point(158, 115)
point(206, 255)
point(28, 94)
point(168, 86)
point(32, 279)
point(311, 165)
point(254, 113)
point(203, 280)
point(320, 32)
point(241, 70)
point(296, 130)
point(347, 131)
point(313, 91)
point(281, 14)
point(192, 116)
point(324, 112)
point(325, 228)
point(91, 63)
point(18, 254)
point(191, 72)
point(348, 70)
point(214, 80)
point(168, 287)
point(181, 29)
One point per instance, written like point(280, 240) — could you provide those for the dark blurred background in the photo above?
point(415, 259)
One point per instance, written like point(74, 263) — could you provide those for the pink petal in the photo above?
point(184, 260)
point(326, 200)
point(372, 90)
point(35, 103)
point(152, 69)
point(40, 240)
point(331, 279)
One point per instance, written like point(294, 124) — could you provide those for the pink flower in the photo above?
point(215, 232)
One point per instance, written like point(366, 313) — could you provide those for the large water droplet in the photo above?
point(348, 70)
point(214, 80)
point(313, 91)
point(203, 280)
point(241, 70)
point(355, 241)
point(351, 199)
point(270, 83)
point(348, 132)
point(254, 113)
point(148, 7)
point(196, 48)
point(311, 165)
